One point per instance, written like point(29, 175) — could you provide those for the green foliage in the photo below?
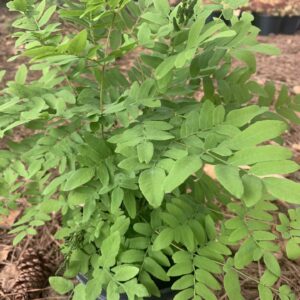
point(122, 156)
point(61, 285)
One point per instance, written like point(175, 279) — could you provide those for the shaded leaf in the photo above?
point(283, 189)
point(78, 178)
point(182, 169)
point(229, 177)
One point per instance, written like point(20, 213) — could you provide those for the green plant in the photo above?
point(122, 156)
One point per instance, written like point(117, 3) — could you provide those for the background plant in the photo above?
point(121, 157)
point(292, 8)
point(273, 7)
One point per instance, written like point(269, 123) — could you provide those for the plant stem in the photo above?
point(105, 63)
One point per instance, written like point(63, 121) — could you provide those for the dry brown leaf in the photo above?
point(296, 89)
point(4, 251)
point(8, 221)
point(210, 171)
point(296, 147)
point(8, 276)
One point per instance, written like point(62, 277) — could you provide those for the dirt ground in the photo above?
point(283, 70)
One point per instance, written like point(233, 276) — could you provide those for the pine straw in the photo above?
point(249, 278)
point(25, 269)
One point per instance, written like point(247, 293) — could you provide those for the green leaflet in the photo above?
point(222, 34)
point(206, 115)
point(274, 167)
point(21, 74)
point(245, 56)
point(78, 178)
point(79, 292)
point(180, 269)
point(230, 178)
point(252, 155)
point(61, 285)
point(218, 115)
point(110, 249)
point(206, 278)
point(112, 291)
point(268, 278)
point(78, 43)
point(117, 197)
point(148, 282)
point(19, 237)
point(195, 31)
point(164, 239)
point(205, 292)
point(151, 266)
point(81, 195)
point(125, 272)
point(266, 49)
point(257, 133)
point(185, 295)
point(293, 249)
point(207, 264)
point(93, 289)
point(150, 182)
point(238, 234)
point(210, 228)
point(182, 169)
point(283, 189)
point(263, 236)
point(272, 264)
point(143, 229)
point(47, 15)
point(144, 36)
point(145, 152)
point(132, 256)
point(244, 256)
point(183, 283)
point(265, 293)
point(20, 4)
point(165, 67)
point(191, 125)
point(242, 116)
point(135, 290)
point(162, 6)
point(187, 237)
point(232, 285)
point(253, 190)
point(210, 30)
point(54, 184)
point(130, 204)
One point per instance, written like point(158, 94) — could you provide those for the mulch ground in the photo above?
point(282, 70)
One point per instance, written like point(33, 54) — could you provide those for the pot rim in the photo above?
point(264, 15)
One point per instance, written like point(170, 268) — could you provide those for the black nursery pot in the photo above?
point(217, 14)
point(166, 294)
point(290, 25)
point(267, 24)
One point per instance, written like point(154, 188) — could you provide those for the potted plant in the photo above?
point(267, 15)
point(123, 157)
point(291, 17)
